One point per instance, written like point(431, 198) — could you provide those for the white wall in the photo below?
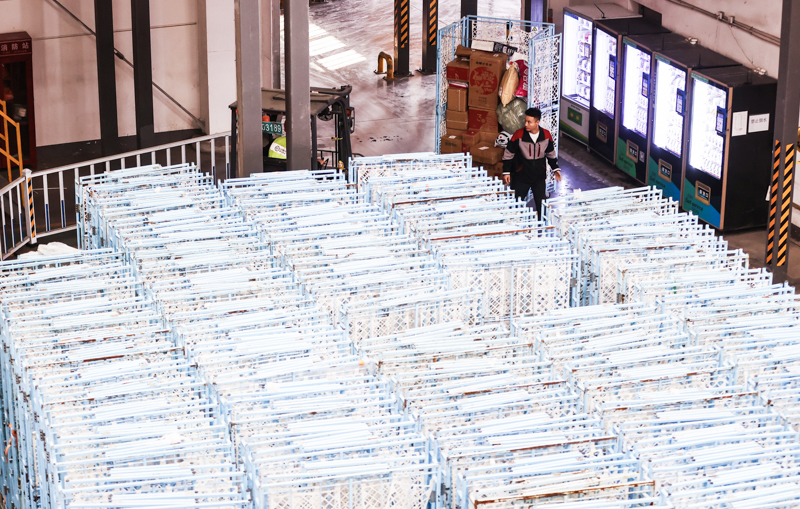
point(723, 38)
point(65, 65)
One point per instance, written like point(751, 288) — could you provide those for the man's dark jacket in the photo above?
point(528, 155)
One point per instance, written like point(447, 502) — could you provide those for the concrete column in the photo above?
point(785, 145)
point(430, 35)
point(106, 76)
point(277, 54)
point(534, 10)
point(469, 8)
point(270, 43)
point(402, 37)
point(217, 39)
point(298, 85)
point(248, 87)
point(142, 74)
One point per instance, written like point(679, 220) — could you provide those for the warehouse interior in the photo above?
point(391, 327)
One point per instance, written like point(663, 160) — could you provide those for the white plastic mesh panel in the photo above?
point(546, 75)
point(534, 289)
point(382, 322)
point(399, 489)
point(607, 280)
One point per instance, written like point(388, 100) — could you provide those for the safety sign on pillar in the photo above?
point(430, 34)
point(401, 38)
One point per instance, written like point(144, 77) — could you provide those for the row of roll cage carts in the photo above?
point(404, 336)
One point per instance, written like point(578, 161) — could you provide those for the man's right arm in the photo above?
point(510, 152)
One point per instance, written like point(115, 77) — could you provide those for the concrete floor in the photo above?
point(394, 117)
point(398, 117)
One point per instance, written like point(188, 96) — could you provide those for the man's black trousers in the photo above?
point(521, 182)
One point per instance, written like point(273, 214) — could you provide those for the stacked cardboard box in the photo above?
point(481, 145)
point(486, 153)
point(457, 118)
point(483, 120)
point(457, 96)
point(474, 137)
point(452, 142)
point(485, 71)
point(473, 77)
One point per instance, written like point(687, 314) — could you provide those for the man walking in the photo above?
point(526, 156)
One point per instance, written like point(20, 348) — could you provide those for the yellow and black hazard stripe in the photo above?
point(433, 7)
point(401, 28)
point(786, 203)
point(773, 202)
point(30, 209)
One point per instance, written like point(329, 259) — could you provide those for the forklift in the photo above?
point(326, 104)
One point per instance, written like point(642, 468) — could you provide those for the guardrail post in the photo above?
point(30, 220)
point(384, 59)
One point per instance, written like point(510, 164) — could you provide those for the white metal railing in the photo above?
point(54, 188)
point(16, 213)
